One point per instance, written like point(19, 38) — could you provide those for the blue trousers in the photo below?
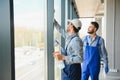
point(72, 72)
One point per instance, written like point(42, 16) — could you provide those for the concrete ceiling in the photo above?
point(90, 8)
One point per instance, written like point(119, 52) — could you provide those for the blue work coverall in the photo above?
point(73, 53)
point(93, 51)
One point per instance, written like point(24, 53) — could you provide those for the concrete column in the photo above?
point(112, 18)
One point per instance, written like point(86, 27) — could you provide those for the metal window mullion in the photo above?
point(67, 11)
point(63, 20)
point(6, 46)
point(73, 12)
point(49, 41)
point(71, 9)
point(12, 40)
point(68, 8)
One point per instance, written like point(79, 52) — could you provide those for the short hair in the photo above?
point(95, 24)
point(76, 30)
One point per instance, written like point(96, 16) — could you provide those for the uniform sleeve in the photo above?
point(104, 52)
point(83, 39)
point(84, 43)
point(77, 55)
point(60, 29)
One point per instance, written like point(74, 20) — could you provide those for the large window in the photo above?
point(57, 36)
point(29, 22)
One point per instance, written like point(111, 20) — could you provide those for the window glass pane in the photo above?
point(57, 7)
point(29, 22)
point(57, 36)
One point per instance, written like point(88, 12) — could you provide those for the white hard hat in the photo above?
point(76, 22)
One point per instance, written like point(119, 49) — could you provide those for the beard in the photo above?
point(90, 32)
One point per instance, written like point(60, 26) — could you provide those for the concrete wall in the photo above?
point(117, 35)
point(99, 20)
point(112, 14)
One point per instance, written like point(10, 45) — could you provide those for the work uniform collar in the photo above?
point(93, 38)
point(71, 36)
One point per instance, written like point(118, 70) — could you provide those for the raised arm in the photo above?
point(60, 29)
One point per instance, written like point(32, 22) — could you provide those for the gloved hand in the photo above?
point(106, 69)
point(54, 21)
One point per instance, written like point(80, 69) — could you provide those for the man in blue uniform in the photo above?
point(73, 54)
point(94, 50)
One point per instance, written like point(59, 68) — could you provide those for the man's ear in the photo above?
point(95, 29)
